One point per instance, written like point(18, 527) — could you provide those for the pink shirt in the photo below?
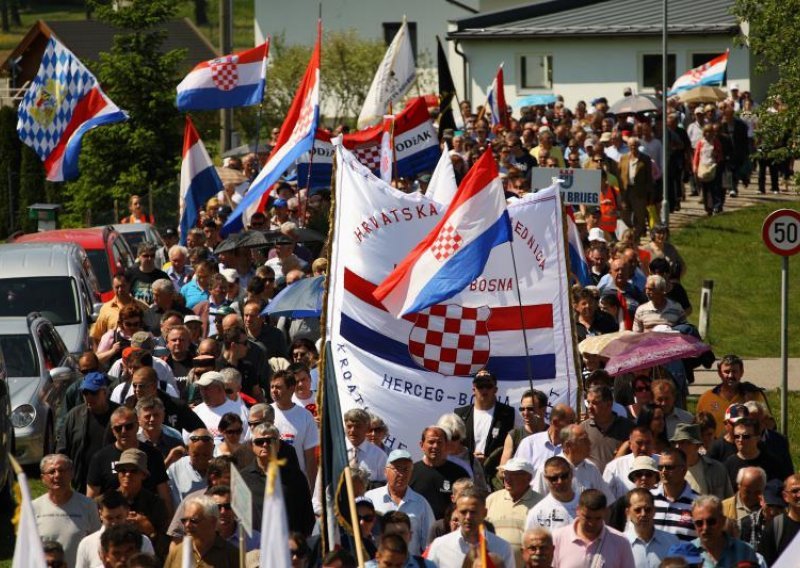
point(609, 550)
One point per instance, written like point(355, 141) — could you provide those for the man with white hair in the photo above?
point(750, 482)
point(165, 299)
point(660, 310)
point(216, 404)
point(719, 548)
point(179, 271)
point(201, 516)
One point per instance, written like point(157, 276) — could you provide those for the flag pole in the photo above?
point(524, 326)
point(359, 544)
point(261, 103)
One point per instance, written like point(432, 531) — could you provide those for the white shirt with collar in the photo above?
point(650, 554)
point(449, 551)
point(371, 458)
point(412, 504)
point(537, 449)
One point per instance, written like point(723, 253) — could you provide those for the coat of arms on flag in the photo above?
point(225, 72)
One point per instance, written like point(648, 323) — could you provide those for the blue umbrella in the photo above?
point(302, 299)
point(536, 100)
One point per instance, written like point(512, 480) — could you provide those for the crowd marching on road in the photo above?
point(188, 375)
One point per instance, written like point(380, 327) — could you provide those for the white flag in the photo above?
point(274, 526)
point(28, 551)
point(395, 75)
point(443, 186)
point(387, 149)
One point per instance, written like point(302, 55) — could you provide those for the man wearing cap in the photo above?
point(751, 527)
point(705, 475)
point(488, 421)
point(731, 390)
point(508, 508)
point(216, 404)
point(719, 549)
point(650, 545)
point(396, 495)
point(643, 475)
point(147, 511)
point(165, 299)
point(536, 448)
point(723, 448)
point(86, 428)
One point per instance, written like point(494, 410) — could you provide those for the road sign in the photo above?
point(241, 501)
point(580, 187)
point(781, 232)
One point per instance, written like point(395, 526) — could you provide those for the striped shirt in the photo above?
point(648, 316)
point(675, 517)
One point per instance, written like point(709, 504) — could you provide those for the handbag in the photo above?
point(707, 172)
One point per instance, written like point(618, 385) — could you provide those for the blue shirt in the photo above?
point(415, 506)
point(734, 552)
point(410, 563)
point(193, 295)
point(650, 554)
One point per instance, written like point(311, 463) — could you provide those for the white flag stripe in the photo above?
point(443, 186)
point(28, 551)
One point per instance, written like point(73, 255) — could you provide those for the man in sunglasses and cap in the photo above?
point(488, 421)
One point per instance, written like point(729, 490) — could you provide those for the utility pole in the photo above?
point(226, 47)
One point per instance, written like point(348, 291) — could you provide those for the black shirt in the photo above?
point(102, 468)
point(142, 283)
point(768, 547)
point(436, 483)
point(768, 462)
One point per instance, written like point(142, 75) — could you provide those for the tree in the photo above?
point(9, 169)
point(142, 154)
point(31, 187)
point(773, 36)
point(200, 12)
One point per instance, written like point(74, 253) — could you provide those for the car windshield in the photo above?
point(99, 262)
point(55, 297)
point(133, 238)
point(20, 355)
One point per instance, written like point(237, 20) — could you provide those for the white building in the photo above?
point(582, 49)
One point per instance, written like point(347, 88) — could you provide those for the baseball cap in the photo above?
point(143, 340)
point(734, 87)
point(642, 463)
point(686, 550)
point(686, 432)
point(230, 274)
point(596, 234)
point(773, 493)
point(209, 378)
point(94, 381)
point(699, 109)
point(736, 412)
point(397, 455)
point(483, 376)
point(134, 457)
point(518, 464)
point(192, 319)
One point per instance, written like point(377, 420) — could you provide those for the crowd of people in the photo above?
point(189, 376)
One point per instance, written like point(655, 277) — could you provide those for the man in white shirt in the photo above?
point(360, 451)
point(558, 509)
point(616, 472)
point(537, 448)
point(295, 423)
point(650, 545)
point(449, 551)
point(216, 404)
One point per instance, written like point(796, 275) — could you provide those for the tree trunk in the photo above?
point(15, 19)
point(4, 16)
point(200, 13)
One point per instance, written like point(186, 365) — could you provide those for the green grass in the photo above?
point(745, 310)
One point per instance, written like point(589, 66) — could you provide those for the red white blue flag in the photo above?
point(234, 80)
point(709, 73)
point(199, 179)
point(456, 251)
point(295, 139)
point(62, 104)
point(496, 100)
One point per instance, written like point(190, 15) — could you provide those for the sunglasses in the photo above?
point(128, 426)
point(234, 431)
point(558, 477)
point(527, 409)
point(712, 522)
point(667, 467)
point(261, 442)
point(484, 386)
point(643, 473)
point(254, 423)
point(201, 438)
point(225, 506)
point(742, 436)
point(194, 521)
point(126, 470)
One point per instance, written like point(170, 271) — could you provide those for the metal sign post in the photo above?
point(781, 234)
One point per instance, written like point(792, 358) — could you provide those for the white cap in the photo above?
point(518, 464)
point(230, 275)
point(733, 87)
point(596, 234)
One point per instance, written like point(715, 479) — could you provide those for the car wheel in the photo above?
point(49, 445)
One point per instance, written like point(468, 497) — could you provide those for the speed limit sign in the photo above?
point(781, 232)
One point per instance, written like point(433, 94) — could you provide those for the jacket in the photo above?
point(502, 424)
point(72, 441)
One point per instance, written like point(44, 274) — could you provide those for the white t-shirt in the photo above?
point(212, 416)
point(297, 428)
point(68, 523)
point(481, 423)
point(116, 394)
point(163, 372)
point(551, 513)
point(89, 550)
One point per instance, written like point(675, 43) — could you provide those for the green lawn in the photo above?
point(745, 312)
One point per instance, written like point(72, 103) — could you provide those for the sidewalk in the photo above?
point(765, 373)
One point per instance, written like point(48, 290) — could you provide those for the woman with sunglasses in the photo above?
point(114, 341)
point(232, 427)
point(642, 396)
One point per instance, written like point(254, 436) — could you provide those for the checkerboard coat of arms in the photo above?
point(451, 340)
point(225, 72)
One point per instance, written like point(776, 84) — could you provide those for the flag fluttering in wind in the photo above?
point(455, 252)
point(442, 187)
point(296, 138)
point(387, 149)
point(199, 179)
point(709, 73)
point(274, 524)
point(63, 103)
point(394, 78)
point(234, 80)
point(449, 112)
point(28, 551)
point(496, 100)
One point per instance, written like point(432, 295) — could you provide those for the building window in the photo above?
point(699, 59)
point(651, 70)
point(390, 30)
point(536, 71)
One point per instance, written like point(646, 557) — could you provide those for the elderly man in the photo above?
point(62, 514)
point(177, 414)
point(674, 496)
point(295, 423)
point(706, 476)
point(188, 474)
point(508, 509)
point(165, 299)
point(665, 395)
point(537, 548)
point(396, 495)
point(618, 282)
point(606, 430)
point(650, 545)
point(450, 550)
point(752, 527)
point(751, 482)
point(537, 448)
point(636, 180)
point(360, 451)
point(660, 310)
point(179, 271)
point(216, 404)
point(616, 473)
point(218, 474)
point(587, 541)
point(560, 504)
point(434, 475)
point(719, 549)
point(208, 547)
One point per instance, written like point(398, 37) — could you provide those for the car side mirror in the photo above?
point(61, 374)
point(96, 310)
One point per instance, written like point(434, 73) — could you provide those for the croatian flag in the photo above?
point(577, 259)
point(199, 179)
point(496, 100)
point(296, 138)
point(62, 104)
point(709, 73)
point(233, 80)
point(456, 251)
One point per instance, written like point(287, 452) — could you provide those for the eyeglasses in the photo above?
point(527, 409)
point(127, 427)
point(742, 436)
point(254, 423)
point(234, 431)
point(201, 438)
point(261, 442)
point(558, 477)
point(711, 522)
point(126, 470)
point(667, 467)
point(194, 521)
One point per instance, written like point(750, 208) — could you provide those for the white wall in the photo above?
point(587, 68)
